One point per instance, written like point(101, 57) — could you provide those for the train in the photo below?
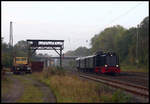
point(100, 63)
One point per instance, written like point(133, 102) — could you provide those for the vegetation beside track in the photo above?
point(70, 88)
point(129, 68)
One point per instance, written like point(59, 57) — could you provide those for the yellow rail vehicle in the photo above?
point(20, 60)
point(21, 65)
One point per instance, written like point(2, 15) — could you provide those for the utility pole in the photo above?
point(137, 61)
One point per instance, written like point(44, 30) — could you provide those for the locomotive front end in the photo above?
point(112, 64)
point(107, 63)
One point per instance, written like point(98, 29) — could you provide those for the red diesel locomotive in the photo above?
point(101, 62)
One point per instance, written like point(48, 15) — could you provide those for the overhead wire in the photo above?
point(118, 17)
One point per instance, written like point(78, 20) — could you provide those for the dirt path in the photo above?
point(17, 90)
point(48, 95)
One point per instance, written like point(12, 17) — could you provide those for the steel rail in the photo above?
point(122, 82)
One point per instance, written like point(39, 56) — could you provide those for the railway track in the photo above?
point(137, 80)
point(132, 88)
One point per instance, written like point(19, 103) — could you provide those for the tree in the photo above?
point(6, 54)
point(143, 42)
point(126, 46)
point(80, 51)
point(21, 49)
point(107, 39)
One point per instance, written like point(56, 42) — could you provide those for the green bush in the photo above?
point(120, 97)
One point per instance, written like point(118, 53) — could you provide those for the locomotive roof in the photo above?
point(85, 57)
point(90, 56)
point(102, 54)
point(78, 58)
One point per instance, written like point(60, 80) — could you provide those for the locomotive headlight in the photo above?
point(106, 65)
point(17, 68)
point(28, 68)
point(117, 65)
point(110, 55)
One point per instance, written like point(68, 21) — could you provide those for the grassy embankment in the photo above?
point(69, 88)
point(129, 68)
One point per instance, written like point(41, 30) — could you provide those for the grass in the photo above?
point(69, 88)
point(76, 89)
point(132, 68)
point(121, 97)
point(6, 85)
point(31, 93)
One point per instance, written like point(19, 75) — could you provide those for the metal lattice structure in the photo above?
point(46, 45)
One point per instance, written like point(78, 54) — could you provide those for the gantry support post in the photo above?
point(61, 57)
point(28, 53)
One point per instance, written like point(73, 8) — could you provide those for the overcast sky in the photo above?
point(74, 22)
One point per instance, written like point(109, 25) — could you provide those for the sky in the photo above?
point(75, 22)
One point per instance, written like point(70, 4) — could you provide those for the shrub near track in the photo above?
point(70, 88)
